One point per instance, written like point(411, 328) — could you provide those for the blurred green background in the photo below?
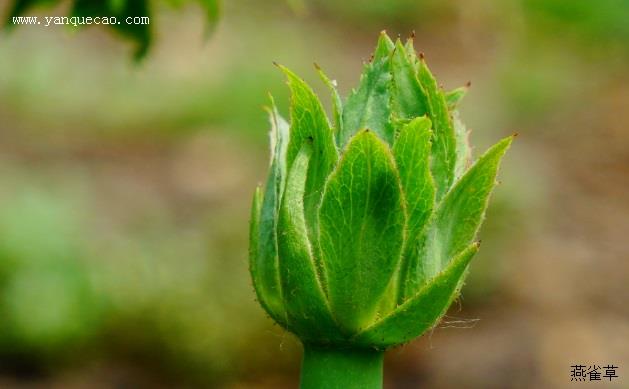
point(125, 192)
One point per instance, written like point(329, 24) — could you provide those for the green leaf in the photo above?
point(460, 214)
point(140, 33)
point(279, 139)
point(117, 6)
point(444, 142)
point(367, 107)
point(412, 156)
point(93, 8)
point(270, 302)
point(423, 310)
point(308, 310)
point(212, 12)
point(362, 220)
point(410, 52)
point(408, 99)
point(454, 96)
point(384, 47)
point(337, 103)
point(265, 265)
point(463, 149)
point(309, 124)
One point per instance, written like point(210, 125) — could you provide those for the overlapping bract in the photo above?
point(364, 232)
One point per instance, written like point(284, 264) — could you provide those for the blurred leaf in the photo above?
point(139, 10)
point(596, 22)
point(213, 11)
point(19, 7)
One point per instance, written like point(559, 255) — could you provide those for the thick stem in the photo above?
point(324, 368)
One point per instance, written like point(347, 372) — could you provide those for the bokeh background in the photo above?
point(125, 192)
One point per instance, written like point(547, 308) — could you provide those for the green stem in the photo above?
point(324, 368)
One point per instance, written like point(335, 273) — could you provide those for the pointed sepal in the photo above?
point(454, 96)
point(267, 289)
point(309, 124)
point(337, 103)
point(463, 148)
point(307, 308)
point(362, 226)
point(367, 107)
point(265, 263)
point(407, 96)
point(412, 156)
point(444, 141)
point(422, 311)
point(460, 214)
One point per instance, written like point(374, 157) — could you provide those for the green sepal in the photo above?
point(337, 103)
point(412, 152)
point(463, 149)
point(459, 216)
point(309, 124)
point(308, 311)
point(271, 302)
point(407, 96)
point(266, 263)
point(444, 141)
point(368, 107)
point(384, 47)
point(422, 311)
point(454, 96)
point(362, 227)
point(410, 52)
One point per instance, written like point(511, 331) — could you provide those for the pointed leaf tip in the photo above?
point(460, 214)
point(384, 47)
point(408, 98)
point(444, 140)
point(422, 311)
point(412, 156)
point(309, 123)
point(337, 104)
point(368, 106)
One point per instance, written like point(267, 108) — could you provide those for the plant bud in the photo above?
point(364, 231)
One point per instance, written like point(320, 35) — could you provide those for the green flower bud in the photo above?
point(365, 229)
